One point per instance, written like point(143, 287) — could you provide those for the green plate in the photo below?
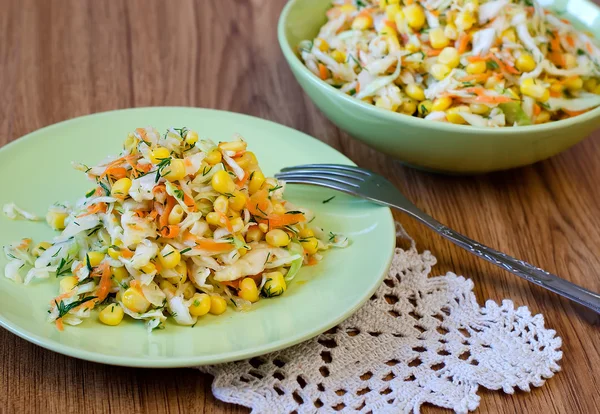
point(35, 172)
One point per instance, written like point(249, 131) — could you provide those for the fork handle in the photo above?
point(520, 268)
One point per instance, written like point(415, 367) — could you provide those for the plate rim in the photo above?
point(180, 362)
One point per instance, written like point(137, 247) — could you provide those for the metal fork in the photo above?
point(366, 184)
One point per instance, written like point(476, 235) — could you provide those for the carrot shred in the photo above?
point(434, 52)
point(240, 183)
point(105, 282)
point(126, 253)
point(478, 77)
point(570, 40)
point(164, 218)
point(170, 232)
point(574, 113)
point(59, 324)
point(94, 209)
point(322, 71)
point(213, 246)
point(537, 109)
point(463, 42)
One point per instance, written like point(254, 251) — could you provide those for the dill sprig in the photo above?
point(64, 309)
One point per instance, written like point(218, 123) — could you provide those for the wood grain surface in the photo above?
point(64, 58)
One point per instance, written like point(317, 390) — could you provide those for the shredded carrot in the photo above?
point(143, 167)
point(225, 220)
point(476, 58)
point(94, 209)
point(478, 77)
point(505, 67)
point(589, 48)
point(357, 87)
point(322, 71)
point(164, 218)
point(116, 172)
point(213, 246)
point(312, 261)
point(434, 52)
point(61, 297)
point(59, 324)
point(282, 220)
point(240, 183)
point(169, 232)
point(126, 253)
point(463, 42)
point(570, 40)
point(537, 109)
point(105, 283)
point(574, 113)
point(153, 215)
point(555, 94)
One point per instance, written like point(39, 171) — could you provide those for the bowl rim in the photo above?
point(293, 60)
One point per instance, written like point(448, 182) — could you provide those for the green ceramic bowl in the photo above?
point(320, 296)
point(433, 145)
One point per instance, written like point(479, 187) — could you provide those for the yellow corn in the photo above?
point(213, 219)
point(278, 208)
point(248, 290)
point(237, 224)
point(437, 38)
point(181, 270)
point(222, 182)
point(169, 257)
point(557, 87)
point(130, 142)
point(306, 233)
point(256, 181)
point(409, 106)
point(263, 227)
point(449, 57)
point(135, 300)
point(67, 284)
point(589, 84)
point(41, 248)
point(479, 109)
point(275, 284)
point(362, 22)
point(112, 315)
point(414, 91)
point(347, 8)
point(597, 90)
point(120, 188)
point(159, 154)
point(148, 268)
point(200, 305)
point(254, 234)
point(221, 204)
point(191, 137)
point(453, 116)
point(95, 258)
point(510, 35)
point(570, 60)
point(277, 238)
point(321, 44)
point(175, 170)
point(238, 201)
point(574, 83)
point(475, 68)
point(425, 107)
point(415, 17)
point(175, 215)
point(119, 273)
point(450, 31)
point(439, 71)
point(310, 245)
point(339, 56)
point(391, 10)
point(217, 305)
point(441, 104)
point(56, 219)
point(525, 62)
point(213, 157)
point(234, 146)
point(464, 21)
point(542, 117)
point(534, 89)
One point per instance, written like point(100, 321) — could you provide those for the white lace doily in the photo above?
point(418, 340)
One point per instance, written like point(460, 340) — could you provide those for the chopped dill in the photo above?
point(328, 200)
point(64, 309)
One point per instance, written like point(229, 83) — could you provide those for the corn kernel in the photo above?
point(339, 56)
point(574, 83)
point(169, 257)
point(248, 290)
point(464, 21)
point(263, 227)
point(254, 234)
point(449, 57)
point(362, 22)
point(453, 116)
point(214, 157)
point(450, 31)
point(277, 238)
point(217, 305)
point(119, 273)
point(175, 215)
point(310, 245)
point(159, 154)
point(557, 87)
point(167, 287)
point(472, 5)
point(409, 106)
point(348, 8)
point(475, 68)
point(222, 182)
point(213, 219)
point(189, 291)
point(120, 188)
point(95, 258)
point(534, 89)
point(130, 142)
point(437, 38)
point(221, 204)
point(275, 284)
point(111, 315)
point(181, 270)
point(135, 300)
point(425, 107)
point(441, 104)
point(570, 60)
point(597, 90)
point(256, 181)
point(306, 233)
point(238, 201)
point(510, 35)
point(414, 91)
point(56, 219)
point(590, 84)
point(67, 284)
point(321, 44)
point(175, 171)
point(391, 10)
point(200, 305)
point(41, 248)
point(191, 137)
point(542, 117)
point(278, 208)
point(479, 109)
point(525, 62)
point(439, 71)
point(148, 268)
point(415, 17)
point(234, 146)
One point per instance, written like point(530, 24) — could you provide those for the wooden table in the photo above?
point(64, 58)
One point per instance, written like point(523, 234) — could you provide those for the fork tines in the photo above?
point(336, 176)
